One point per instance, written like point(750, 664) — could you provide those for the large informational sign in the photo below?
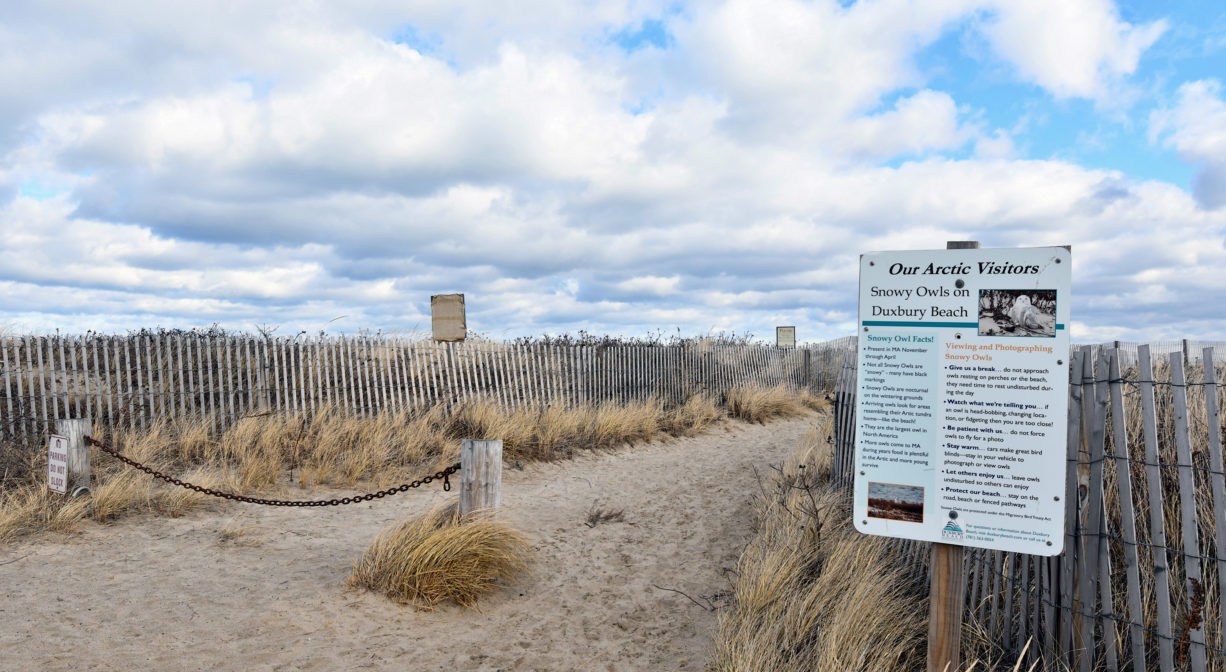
point(57, 464)
point(961, 410)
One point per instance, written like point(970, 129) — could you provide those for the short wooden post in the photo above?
point(78, 452)
point(947, 590)
point(946, 595)
point(480, 474)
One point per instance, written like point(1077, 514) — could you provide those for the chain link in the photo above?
point(444, 475)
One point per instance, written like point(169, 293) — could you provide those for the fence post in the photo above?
point(947, 591)
point(480, 474)
point(78, 452)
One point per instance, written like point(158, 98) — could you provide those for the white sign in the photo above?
point(962, 397)
point(785, 337)
point(57, 464)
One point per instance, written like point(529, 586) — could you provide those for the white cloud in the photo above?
point(790, 69)
point(1072, 48)
point(1196, 128)
point(997, 146)
point(925, 121)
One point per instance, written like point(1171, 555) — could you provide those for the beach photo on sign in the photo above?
point(896, 502)
point(1017, 312)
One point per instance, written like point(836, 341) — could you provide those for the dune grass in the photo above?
point(441, 556)
point(812, 593)
point(290, 456)
point(758, 404)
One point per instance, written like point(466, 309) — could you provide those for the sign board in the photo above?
point(962, 397)
point(57, 464)
point(785, 337)
point(447, 317)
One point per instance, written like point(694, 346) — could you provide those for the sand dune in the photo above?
point(241, 587)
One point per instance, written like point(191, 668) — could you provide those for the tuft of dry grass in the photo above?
point(758, 404)
point(597, 515)
point(441, 556)
point(239, 532)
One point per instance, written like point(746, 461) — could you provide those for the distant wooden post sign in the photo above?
point(447, 317)
point(785, 337)
point(57, 464)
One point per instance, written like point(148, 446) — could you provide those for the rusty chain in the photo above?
point(444, 475)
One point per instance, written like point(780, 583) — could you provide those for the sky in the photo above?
point(623, 167)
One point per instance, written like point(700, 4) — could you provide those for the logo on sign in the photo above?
point(951, 531)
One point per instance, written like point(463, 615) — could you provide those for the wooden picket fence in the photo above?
point(1140, 582)
point(133, 380)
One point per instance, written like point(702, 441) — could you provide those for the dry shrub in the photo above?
point(812, 593)
point(759, 404)
point(440, 556)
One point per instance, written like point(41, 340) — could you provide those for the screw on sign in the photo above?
point(57, 464)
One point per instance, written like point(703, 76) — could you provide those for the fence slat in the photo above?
point(1123, 470)
point(1157, 531)
point(70, 375)
point(42, 366)
point(1047, 567)
point(356, 377)
point(437, 375)
point(138, 373)
point(1218, 484)
point(1187, 500)
point(391, 375)
point(61, 369)
point(1067, 557)
point(416, 373)
point(25, 411)
point(13, 433)
point(345, 372)
point(1093, 418)
point(151, 391)
point(1023, 602)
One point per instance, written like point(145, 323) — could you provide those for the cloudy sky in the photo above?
point(619, 167)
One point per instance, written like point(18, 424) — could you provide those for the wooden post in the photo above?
point(947, 591)
point(78, 452)
point(480, 474)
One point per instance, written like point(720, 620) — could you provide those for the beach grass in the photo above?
point(441, 556)
point(812, 593)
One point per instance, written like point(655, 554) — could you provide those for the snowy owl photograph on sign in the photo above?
point(1017, 312)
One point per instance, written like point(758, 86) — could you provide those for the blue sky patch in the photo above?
point(426, 44)
point(649, 33)
point(39, 190)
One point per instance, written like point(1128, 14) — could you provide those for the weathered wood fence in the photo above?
point(132, 380)
point(1140, 582)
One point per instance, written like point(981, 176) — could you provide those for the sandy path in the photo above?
point(162, 594)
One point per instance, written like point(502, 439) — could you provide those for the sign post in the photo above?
point(961, 408)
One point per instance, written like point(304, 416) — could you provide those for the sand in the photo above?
point(243, 587)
